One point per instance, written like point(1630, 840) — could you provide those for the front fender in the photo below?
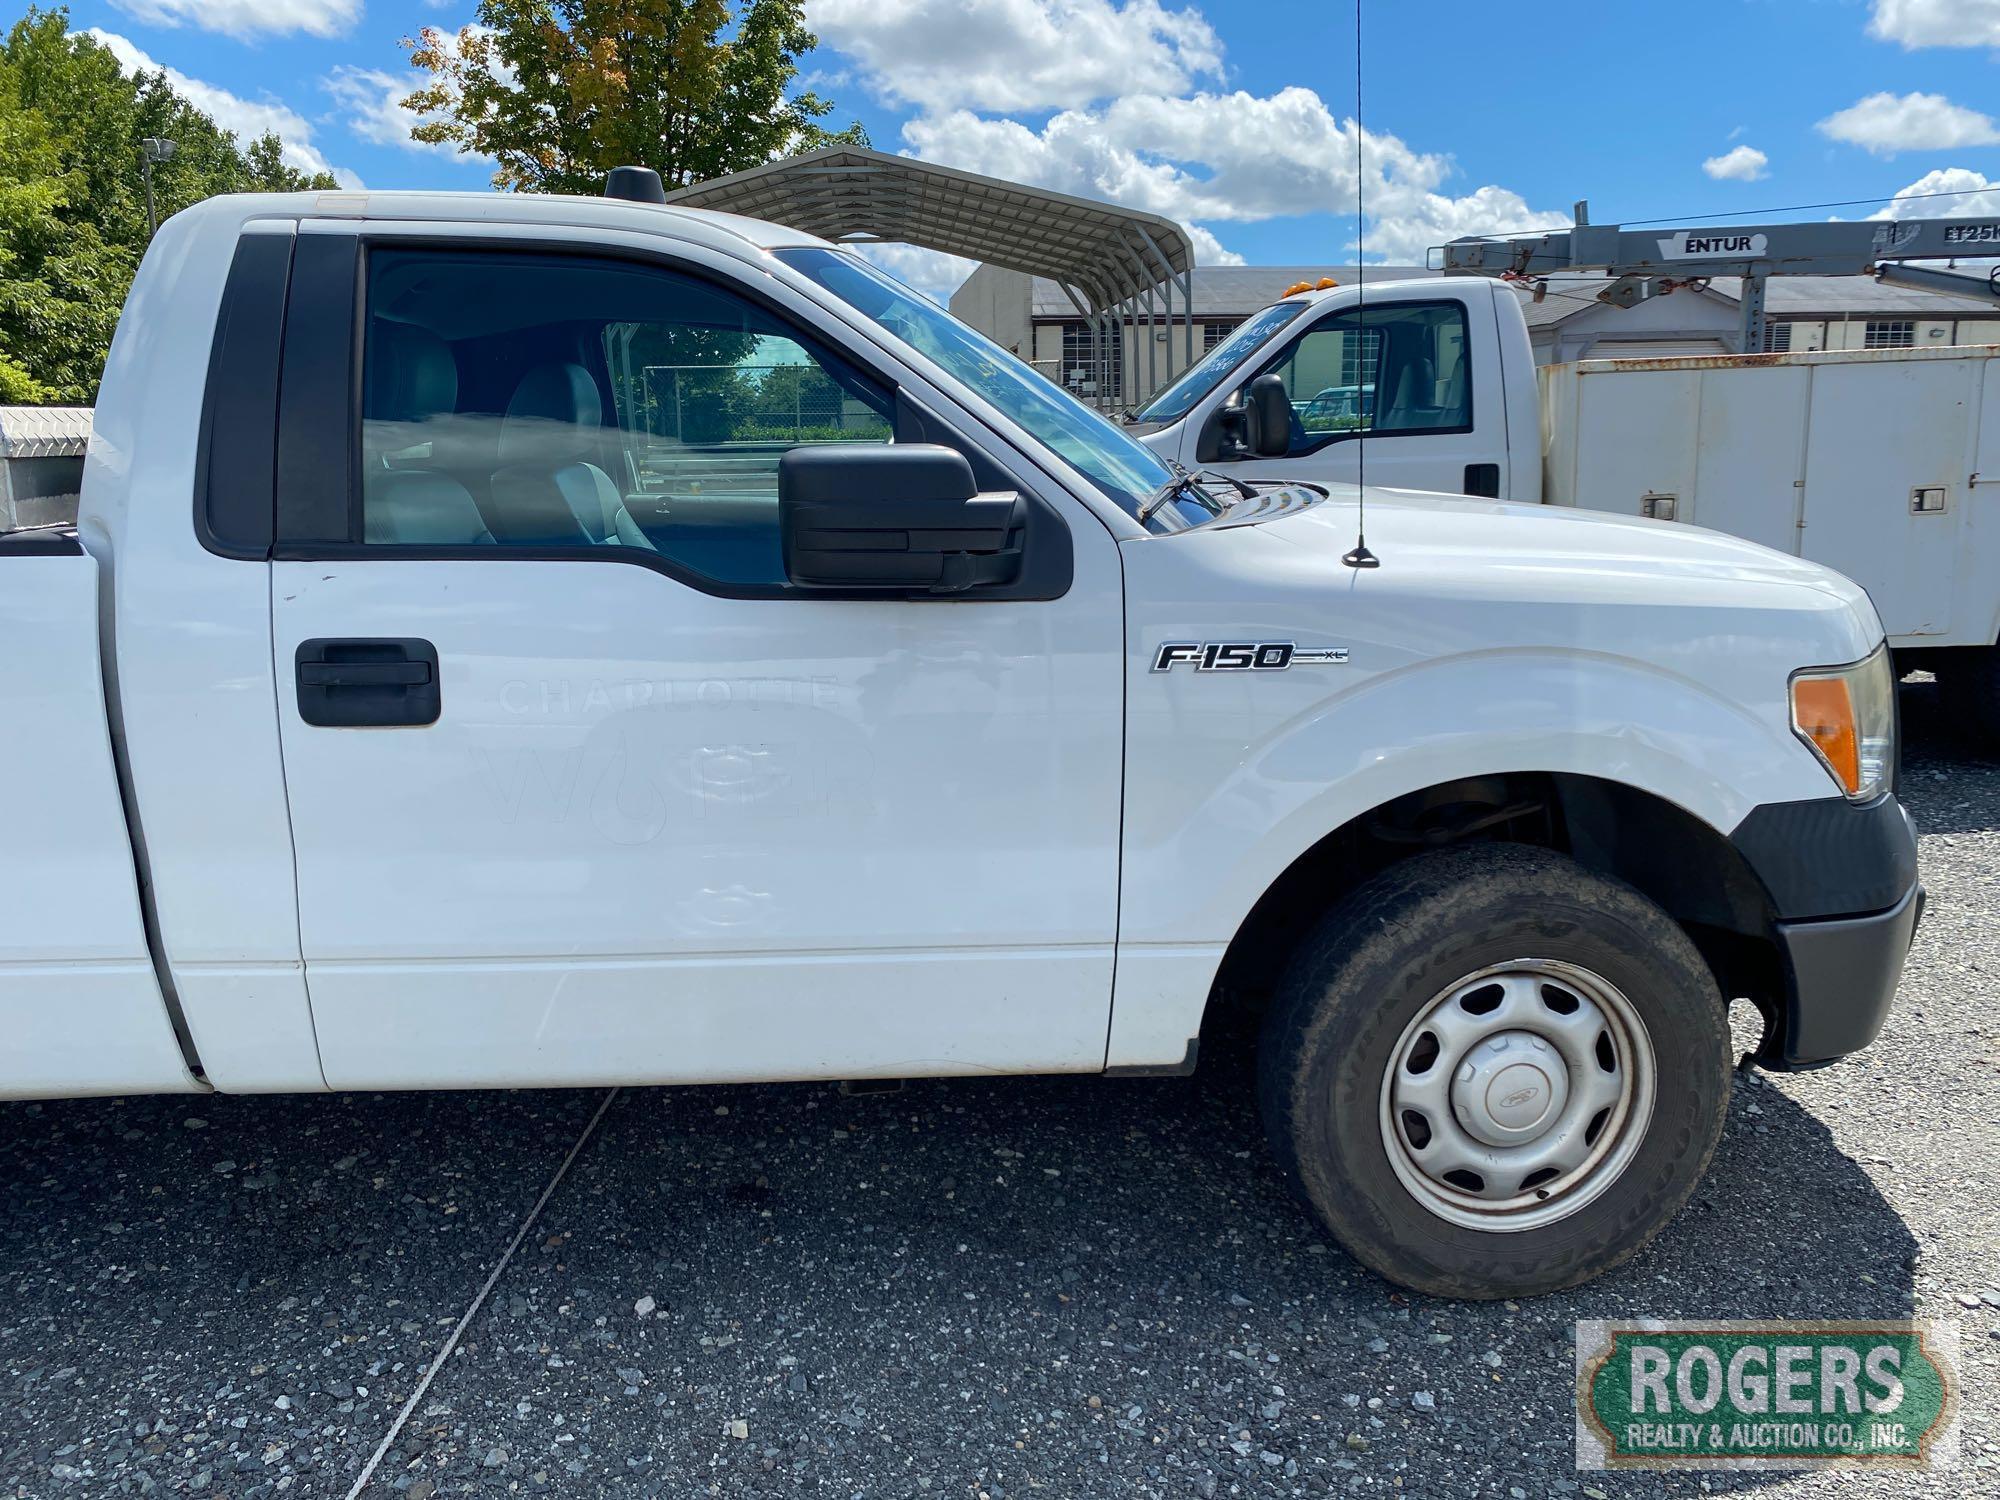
point(1214, 815)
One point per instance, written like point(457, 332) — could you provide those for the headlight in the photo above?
point(1848, 716)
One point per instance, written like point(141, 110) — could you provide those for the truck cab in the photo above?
point(547, 641)
point(1436, 374)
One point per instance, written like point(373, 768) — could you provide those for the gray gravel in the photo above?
point(1023, 1287)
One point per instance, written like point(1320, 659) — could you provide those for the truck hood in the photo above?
point(1549, 552)
point(1463, 577)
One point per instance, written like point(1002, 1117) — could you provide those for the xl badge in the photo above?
point(1244, 656)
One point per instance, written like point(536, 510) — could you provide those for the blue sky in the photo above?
point(1236, 118)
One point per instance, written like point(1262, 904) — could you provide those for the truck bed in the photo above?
point(80, 1003)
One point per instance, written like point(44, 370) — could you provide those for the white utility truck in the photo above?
point(460, 676)
point(1878, 463)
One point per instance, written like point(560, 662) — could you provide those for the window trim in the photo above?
point(325, 323)
point(1372, 433)
point(236, 451)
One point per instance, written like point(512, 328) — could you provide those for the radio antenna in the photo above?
point(1361, 557)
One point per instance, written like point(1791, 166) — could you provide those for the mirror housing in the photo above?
point(903, 519)
point(1267, 418)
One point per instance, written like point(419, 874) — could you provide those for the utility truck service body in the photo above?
point(1877, 463)
point(455, 678)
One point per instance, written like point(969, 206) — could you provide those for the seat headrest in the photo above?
point(414, 374)
point(416, 507)
point(550, 415)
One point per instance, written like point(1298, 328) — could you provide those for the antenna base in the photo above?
point(1361, 557)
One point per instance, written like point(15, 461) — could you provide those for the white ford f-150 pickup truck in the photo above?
point(538, 641)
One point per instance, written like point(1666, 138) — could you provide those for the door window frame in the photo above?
point(318, 504)
point(1371, 432)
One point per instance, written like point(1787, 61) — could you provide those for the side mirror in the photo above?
point(1267, 418)
point(903, 519)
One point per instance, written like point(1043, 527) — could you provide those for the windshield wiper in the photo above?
point(1187, 482)
point(1177, 485)
point(1247, 492)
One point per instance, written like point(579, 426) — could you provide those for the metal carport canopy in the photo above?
point(1113, 262)
point(847, 193)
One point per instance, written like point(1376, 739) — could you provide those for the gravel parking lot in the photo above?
point(963, 1289)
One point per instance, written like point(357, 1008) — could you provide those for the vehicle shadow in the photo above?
point(1950, 782)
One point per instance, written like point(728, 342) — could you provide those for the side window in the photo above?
point(544, 401)
point(1394, 368)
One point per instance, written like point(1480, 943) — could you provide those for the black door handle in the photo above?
point(364, 683)
point(364, 673)
point(1482, 480)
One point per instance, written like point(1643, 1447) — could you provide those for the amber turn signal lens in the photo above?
point(1823, 712)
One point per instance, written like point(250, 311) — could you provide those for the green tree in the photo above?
point(72, 197)
point(559, 91)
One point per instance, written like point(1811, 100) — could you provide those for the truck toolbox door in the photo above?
point(583, 787)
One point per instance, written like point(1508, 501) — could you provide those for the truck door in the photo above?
point(1419, 379)
point(582, 788)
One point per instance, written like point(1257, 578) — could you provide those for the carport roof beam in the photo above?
point(852, 194)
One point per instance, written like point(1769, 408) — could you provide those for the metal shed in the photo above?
point(1116, 266)
point(41, 463)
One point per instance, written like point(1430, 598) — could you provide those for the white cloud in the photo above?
point(1739, 164)
point(246, 119)
point(246, 18)
point(1209, 251)
point(372, 100)
point(1887, 123)
point(372, 105)
point(1017, 54)
point(1979, 196)
point(1141, 118)
point(1238, 157)
point(1937, 23)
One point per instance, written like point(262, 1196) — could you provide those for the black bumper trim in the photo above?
point(1829, 857)
point(1841, 976)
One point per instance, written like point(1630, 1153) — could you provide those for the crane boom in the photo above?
point(1646, 261)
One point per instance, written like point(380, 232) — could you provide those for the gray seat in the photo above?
point(546, 490)
point(1416, 391)
point(413, 390)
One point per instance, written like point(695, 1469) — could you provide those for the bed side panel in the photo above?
point(80, 1007)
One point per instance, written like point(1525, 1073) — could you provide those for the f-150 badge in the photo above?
point(1244, 656)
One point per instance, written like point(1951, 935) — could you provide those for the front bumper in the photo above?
point(1843, 883)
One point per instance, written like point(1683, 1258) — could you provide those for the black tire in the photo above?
point(1394, 945)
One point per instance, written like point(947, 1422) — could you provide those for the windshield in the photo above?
point(1125, 470)
point(1178, 399)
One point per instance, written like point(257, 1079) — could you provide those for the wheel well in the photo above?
point(1692, 872)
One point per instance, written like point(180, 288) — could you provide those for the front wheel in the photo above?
point(1493, 1073)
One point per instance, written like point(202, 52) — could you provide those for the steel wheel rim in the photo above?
point(1517, 1095)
